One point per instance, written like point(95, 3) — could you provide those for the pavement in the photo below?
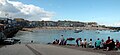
point(15, 50)
point(112, 52)
point(40, 49)
point(55, 50)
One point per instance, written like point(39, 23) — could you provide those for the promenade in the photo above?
point(39, 49)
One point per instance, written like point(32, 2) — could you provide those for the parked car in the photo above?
point(9, 41)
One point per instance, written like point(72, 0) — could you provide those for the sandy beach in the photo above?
point(65, 28)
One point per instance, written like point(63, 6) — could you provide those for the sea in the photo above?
point(48, 36)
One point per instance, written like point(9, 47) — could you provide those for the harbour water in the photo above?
point(45, 36)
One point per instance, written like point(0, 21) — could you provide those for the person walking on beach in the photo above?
point(97, 44)
point(77, 41)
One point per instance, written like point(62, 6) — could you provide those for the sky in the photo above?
point(101, 11)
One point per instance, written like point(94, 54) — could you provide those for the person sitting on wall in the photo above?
point(108, 44)
point(85, 43)
point(103, 44)
point(81, 42)
point(97, 44)
point(90, 44)
point(65, 42)
point(112, 45)
point(56, 41)
point(117, 44)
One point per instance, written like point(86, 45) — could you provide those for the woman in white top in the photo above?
point(85, 43)
point(90, 43)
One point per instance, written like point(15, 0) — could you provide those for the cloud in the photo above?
point(20, 10)
point(117, 24)
point(45, 19)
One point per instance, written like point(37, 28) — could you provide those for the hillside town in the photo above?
point(59, 23)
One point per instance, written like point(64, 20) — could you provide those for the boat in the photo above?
point(97, 32)
point(70, 39)
point(114, 31)
point(16, 39)
point(100, 30)
point(11, 40)
point(77, 31)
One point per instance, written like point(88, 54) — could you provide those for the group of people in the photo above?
point(61, 42)
point(107, 45)
point(82, 43)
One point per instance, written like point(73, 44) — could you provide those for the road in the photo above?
point(40, 49)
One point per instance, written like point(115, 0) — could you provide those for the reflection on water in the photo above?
point(45, 36)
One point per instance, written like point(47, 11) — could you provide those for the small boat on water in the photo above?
point(100, 30)
point(70, 39)
point(97, 32)
point(78, 30)
point(114, 31)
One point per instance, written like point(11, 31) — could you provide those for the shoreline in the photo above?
point(64, 28)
